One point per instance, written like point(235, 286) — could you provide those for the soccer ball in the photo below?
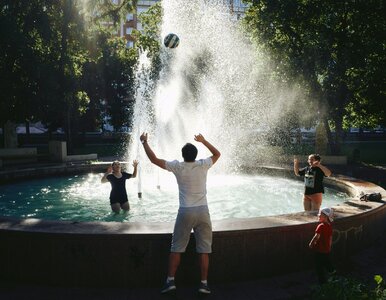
point(171, 40)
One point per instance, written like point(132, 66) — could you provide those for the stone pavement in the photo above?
point(282, 287)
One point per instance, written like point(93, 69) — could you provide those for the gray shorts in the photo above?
point(198, 219)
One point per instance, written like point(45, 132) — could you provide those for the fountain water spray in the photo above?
point(215, 83)
point(141, 115)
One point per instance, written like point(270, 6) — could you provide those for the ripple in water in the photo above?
point(84, 198)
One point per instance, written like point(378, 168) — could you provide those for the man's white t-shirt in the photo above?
point(191, 179)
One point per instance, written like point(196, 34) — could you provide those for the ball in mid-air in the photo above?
point(171, 40)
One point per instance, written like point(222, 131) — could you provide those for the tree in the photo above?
point(44, 46)
point(107, 80)
point(149, 39)
point(117, 63)
point(337, 47)
point(102, 11)
point(42, 56)
point(24, 54)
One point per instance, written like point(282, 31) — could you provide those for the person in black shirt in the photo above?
point(313, 181)
point(117, 179)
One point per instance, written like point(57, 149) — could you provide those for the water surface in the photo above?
point(84, 198)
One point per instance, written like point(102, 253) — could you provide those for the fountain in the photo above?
point(214, 83)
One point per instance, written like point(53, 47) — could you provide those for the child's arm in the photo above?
point(314, 240)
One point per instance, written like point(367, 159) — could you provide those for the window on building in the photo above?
point(129, 17)
point(139, 26)
point(129, 30)
point(141, 9)
point(130, 44)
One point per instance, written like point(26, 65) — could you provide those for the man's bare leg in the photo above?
point(174, 262)
point(204, 265)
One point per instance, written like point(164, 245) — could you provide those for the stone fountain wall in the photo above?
point(135, 254)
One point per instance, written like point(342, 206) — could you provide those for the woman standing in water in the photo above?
point(313, 181)
point(117, 179)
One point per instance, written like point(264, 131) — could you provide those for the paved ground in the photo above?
point(275, 288)
point(364, 266)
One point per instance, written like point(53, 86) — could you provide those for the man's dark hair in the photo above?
point(189, 152)
point(316, 157)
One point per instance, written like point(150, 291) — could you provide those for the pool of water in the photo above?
point(84, 198)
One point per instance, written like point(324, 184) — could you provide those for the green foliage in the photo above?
point(344, 288)
point(109, 81)
point(102, 11)
point(108, 77)
point(83, 100)
point(119, 62)
point(60, 64)
point(379, 293)
point(151, 20)
point(42, 57)
point(334, 48)
point(341, 288)
point(149, 40)
point(24, 47)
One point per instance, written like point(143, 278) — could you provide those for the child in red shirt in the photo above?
point(321, 244)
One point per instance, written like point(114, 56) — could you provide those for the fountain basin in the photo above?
point(82, 197)
point(135, 254)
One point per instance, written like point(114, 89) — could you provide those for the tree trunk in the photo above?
point(330, 141)
point(27, 132)
point(49, 133)
point(338, 136)
point(340, 101)
point(10, 135)
point(63, 61)
point(69, 133)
